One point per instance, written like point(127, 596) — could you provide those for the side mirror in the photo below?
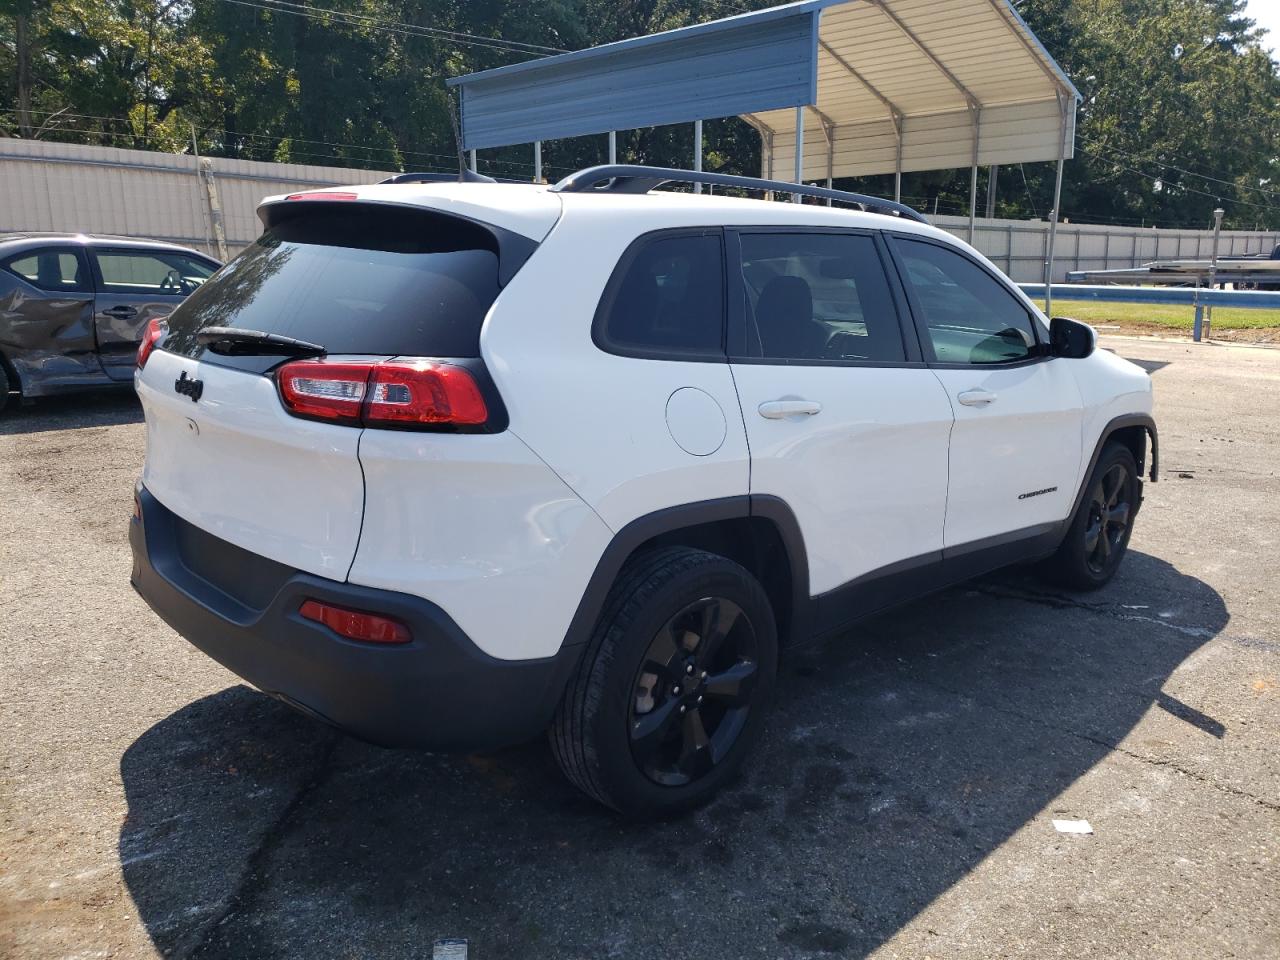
point(1071, 338)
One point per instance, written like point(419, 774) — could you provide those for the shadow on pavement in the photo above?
point(897, 758)
point(97, 408)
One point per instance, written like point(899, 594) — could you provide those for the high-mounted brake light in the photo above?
point(322, 195)
point(385, 393)
point(356, 624)
point(150, 337)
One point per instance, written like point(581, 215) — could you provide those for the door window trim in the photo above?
point(86, 289)
point(599, 322)
point(1038, 354)
point(737, 300)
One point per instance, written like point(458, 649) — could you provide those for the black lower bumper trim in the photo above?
point(439, 692)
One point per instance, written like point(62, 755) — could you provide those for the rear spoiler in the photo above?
point(513, 248)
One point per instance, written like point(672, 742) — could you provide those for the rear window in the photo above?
point(354, 279)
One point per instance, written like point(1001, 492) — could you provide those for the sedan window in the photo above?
point(60, 270)
point(146, 273)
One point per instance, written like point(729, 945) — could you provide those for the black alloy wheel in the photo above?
point(1109, 514)
point(693, 691)
point(1097, 537)
point(673, 689)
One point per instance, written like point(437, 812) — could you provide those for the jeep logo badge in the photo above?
point(189, 387)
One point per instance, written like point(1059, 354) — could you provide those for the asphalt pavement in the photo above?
point(901, 804)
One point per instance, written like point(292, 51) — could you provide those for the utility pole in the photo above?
point(22, 41)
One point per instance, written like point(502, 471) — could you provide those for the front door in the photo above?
point(136, 286)
point(844, 421)
point(1016, 447)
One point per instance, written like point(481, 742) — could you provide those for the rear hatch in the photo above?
point(269, 460)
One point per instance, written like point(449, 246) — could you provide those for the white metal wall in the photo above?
point(1019, 247)
point(137, 193)
point(79, 189)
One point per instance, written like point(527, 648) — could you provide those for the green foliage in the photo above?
point(1178, 94)
point(1181, 113)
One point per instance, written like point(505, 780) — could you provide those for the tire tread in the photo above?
point(639, 579)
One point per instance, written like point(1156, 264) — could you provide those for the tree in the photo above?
point(1181, 105)
point(1181, 110)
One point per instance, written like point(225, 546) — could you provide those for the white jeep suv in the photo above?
point(447, 465)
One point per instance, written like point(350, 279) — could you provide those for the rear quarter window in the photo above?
point(666, 298)
point(354, 279)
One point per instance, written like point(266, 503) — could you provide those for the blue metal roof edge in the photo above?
point(696, 29)
point(1031, 35)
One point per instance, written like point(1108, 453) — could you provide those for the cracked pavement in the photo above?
point(900, 804)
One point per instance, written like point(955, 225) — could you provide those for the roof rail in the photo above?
point(625, 178)
point(469, 176)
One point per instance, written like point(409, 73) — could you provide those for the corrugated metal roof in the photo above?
point(715, 69)
point(923, 72)
point(884, 81)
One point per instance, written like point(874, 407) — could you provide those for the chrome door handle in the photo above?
point(975, 397)
point(781, 409)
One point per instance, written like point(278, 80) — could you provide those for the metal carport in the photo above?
point(836, 88)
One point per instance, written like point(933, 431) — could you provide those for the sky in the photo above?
point(1267, 13)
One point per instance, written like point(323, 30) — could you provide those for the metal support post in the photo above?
point(975, 113)
point(993, 177)
point(473, 161)
point(799, 152)
point(973, 202)
point(1205, 329)
point(1054, 216)
point(537, 161)
point(898, 121)
point(613, 146)
point(697, 152)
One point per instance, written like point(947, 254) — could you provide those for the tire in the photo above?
point(1098, 537)
point(4, 385)
point(633, 730)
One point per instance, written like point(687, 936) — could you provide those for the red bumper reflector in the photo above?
point(356, 624)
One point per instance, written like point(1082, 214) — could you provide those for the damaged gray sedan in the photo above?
point(73, 308)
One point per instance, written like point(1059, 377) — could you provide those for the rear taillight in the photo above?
point(407, 393)
point(150, 337)
point(325, 391)
point(356, 624)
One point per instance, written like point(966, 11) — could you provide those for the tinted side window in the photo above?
point(819, 296)
point(145, 273)
point(59, 270)
point(666, 298)
point(970, 316)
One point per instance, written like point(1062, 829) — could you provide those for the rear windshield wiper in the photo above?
point(234, 342)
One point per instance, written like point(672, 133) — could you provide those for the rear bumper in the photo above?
point(437, 692)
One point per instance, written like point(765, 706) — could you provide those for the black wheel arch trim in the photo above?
point(1115, 424)
point(673, 519)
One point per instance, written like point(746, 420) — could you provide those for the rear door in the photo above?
point(135, 286)
point(362, 281)
point(844, 421)
point(1015, 449)
point(46, 315)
